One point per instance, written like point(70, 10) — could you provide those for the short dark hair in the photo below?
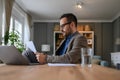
point(70, 17)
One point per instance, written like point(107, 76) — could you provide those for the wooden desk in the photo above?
point(45, 72)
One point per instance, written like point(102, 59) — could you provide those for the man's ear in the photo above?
point(72, 24)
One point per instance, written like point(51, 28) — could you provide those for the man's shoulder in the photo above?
point(77, 34)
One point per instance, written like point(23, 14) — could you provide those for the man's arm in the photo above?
point(72, 55)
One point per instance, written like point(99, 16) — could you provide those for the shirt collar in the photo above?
point(70, 36)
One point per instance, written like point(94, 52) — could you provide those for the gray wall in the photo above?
point(107, 40)
point(116, 25)
point(43, 34)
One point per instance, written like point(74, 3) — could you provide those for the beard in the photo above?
point(67, 32)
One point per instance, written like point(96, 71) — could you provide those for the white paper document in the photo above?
point(60, 64)
point(31, 46)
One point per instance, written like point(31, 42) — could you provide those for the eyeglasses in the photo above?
point(64, 24)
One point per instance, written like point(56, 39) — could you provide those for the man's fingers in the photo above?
point(37, 56)
point(36, 53)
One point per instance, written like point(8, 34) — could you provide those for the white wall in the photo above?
point(1, 10)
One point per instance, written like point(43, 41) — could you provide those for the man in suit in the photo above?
point(69, 49)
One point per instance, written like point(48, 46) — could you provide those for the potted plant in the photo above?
point(14, 39)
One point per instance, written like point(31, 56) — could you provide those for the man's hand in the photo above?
point(41, 58)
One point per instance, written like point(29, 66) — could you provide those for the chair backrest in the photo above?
point(96, 59)
point(115, 59)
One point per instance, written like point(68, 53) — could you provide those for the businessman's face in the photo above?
point(65, 27)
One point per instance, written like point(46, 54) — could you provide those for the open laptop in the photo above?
point(10, 55)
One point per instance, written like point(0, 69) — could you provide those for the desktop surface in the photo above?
point(45, 72)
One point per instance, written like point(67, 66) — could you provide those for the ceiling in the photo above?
point(51, 10)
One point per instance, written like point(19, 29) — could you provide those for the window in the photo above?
point(17, 22)
point(16, 26)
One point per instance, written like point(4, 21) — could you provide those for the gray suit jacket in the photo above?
point(72, 54)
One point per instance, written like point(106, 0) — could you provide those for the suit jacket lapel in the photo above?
point(69, 45)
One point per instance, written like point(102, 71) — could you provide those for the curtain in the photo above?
point(28, 26)
point(1, 14)
point(8, 5)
